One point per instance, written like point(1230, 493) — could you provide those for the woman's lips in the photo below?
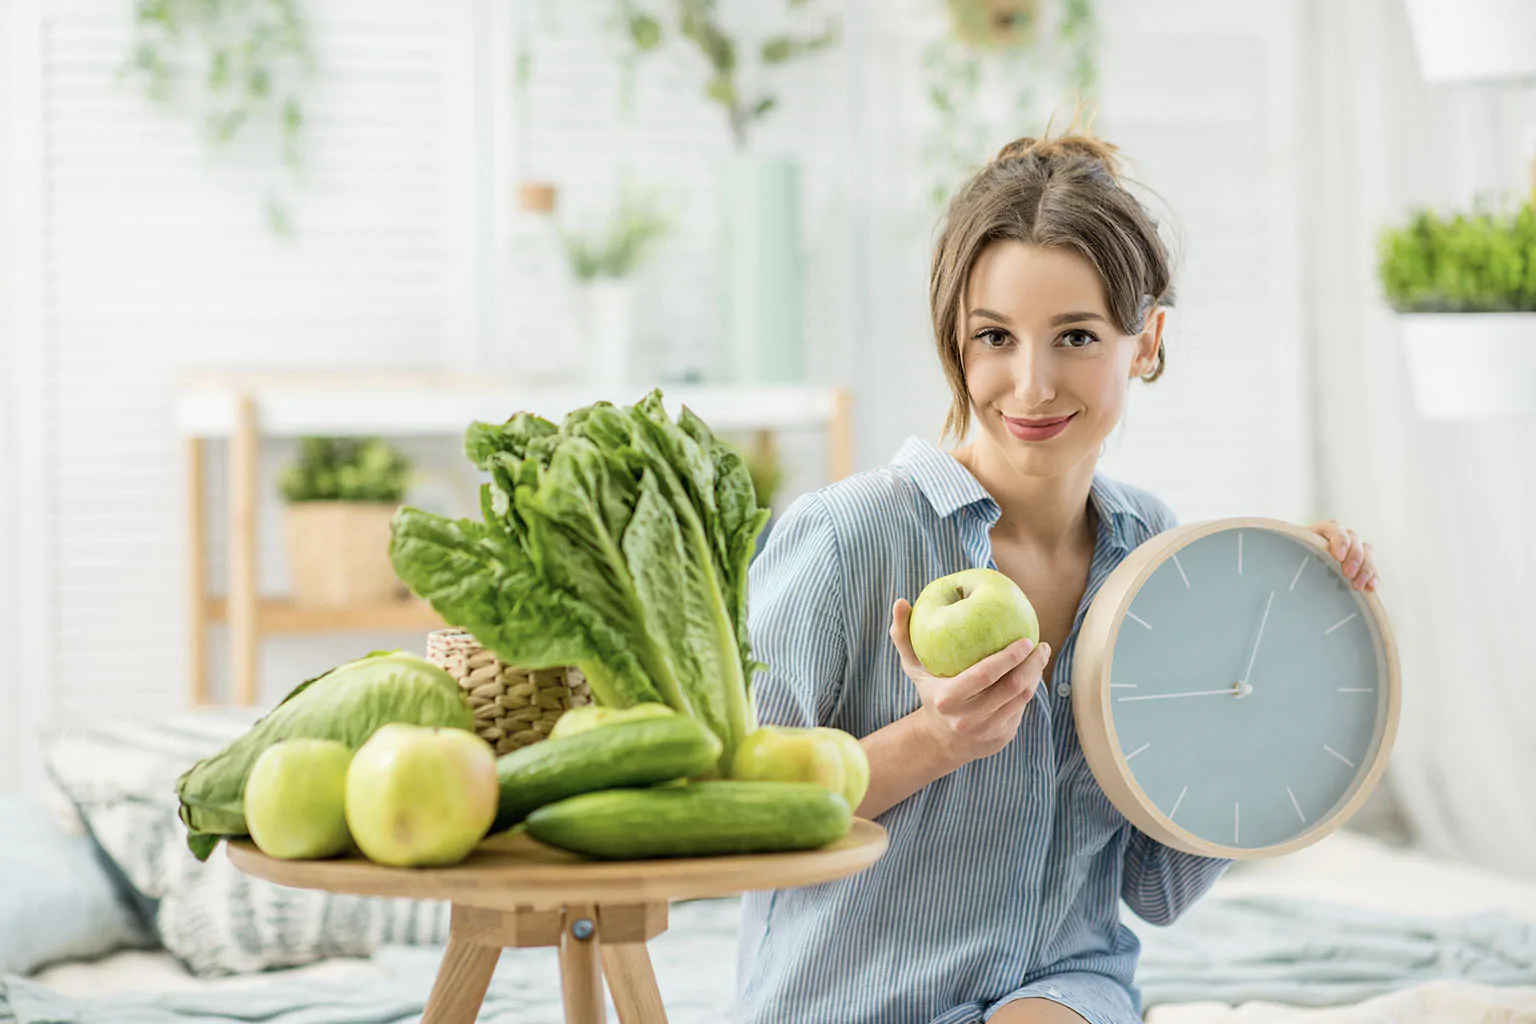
point(1037, 430)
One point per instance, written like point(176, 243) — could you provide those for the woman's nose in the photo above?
point(1032, 383)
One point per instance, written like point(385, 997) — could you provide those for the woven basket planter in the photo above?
point(338, 553)
point(513, 706)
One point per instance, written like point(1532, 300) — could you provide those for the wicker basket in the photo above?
point(513, 706)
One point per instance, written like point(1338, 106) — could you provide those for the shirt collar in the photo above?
point(950, 487)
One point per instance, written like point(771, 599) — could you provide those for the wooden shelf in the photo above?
point(286, 617)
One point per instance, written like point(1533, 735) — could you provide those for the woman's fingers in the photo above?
point(1354, 557)
point(1336, 536)
point(1019, 683)
point(990, 669)
point(901, 616)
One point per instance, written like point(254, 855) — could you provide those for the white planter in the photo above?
point(1468, 367)
point(607, 331)
point(1472, 40)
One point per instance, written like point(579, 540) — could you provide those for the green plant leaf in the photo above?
point(645, 32)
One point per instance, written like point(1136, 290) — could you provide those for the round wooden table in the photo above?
point(514, 891)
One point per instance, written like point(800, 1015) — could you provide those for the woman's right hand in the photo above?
point(976, 713)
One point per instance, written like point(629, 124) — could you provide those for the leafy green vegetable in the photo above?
point(346, 704)
point(617, 542)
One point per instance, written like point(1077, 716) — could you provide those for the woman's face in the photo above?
point(1046, 366)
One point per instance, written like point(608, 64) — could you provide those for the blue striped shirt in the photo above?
point(1002, 875)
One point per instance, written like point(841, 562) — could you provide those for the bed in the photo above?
point(1349, 930)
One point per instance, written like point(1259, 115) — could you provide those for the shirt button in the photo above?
point(1062, 689)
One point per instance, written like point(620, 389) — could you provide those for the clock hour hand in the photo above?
point(1237, 689)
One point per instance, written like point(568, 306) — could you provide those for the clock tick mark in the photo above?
point(1177, 802)
point(1138, 750)
point(1341, 622)
point(1356, 689)
point(1132, 615)
point(1304, 562)
point(1296, 805)
point(1179, 565)
point(1338, 755)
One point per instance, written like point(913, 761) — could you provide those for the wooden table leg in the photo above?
point(632, 980)
point(581, 978)
point(461, 982)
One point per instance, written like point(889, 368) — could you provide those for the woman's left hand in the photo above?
point(1354, 555)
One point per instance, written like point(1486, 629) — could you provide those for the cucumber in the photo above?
point(639, 752)
point(697, 820)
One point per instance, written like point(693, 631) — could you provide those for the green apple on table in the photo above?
point(295, 799)
point(419, 796)
point(830, 757)
point(966, 616)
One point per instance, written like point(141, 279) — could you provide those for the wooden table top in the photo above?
point(513, 870)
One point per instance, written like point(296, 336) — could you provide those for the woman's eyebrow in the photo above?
point(1056, 321)
point(1070, 318)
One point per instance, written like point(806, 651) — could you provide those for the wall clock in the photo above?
point(1233, 695)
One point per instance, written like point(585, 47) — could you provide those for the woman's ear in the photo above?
point(1147, 343)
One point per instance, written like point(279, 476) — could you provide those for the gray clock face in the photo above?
point(1246, 693)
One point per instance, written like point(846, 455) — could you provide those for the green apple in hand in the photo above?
point(295, 799)
point(962, 618)
point(420, 796)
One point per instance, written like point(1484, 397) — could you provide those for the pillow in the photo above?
point(57, 899)
point(215, 919)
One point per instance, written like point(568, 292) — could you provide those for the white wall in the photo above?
point(10, 708)
point(154, 260)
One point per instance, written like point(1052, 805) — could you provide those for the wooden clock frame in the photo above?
point(1093, 665)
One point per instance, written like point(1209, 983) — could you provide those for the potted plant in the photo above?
point(1465, 289)
point(341, 495)
point(601, 263)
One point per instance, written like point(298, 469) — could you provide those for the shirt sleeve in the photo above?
point(1159, 882)
point(795, 618)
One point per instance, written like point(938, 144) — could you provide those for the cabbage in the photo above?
point(345, 704)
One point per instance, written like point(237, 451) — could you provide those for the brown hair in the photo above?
point(1065, 193)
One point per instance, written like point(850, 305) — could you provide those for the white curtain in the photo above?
point(1450, 509)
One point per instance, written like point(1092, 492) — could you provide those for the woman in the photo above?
point(998, 898)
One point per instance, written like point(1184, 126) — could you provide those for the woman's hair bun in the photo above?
point(1069, 147)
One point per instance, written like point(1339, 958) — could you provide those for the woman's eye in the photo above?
point(1085, 339)
point(993, 337)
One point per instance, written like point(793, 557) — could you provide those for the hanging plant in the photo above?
point(248, 61)
point(698, 24)
point(981, 77)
